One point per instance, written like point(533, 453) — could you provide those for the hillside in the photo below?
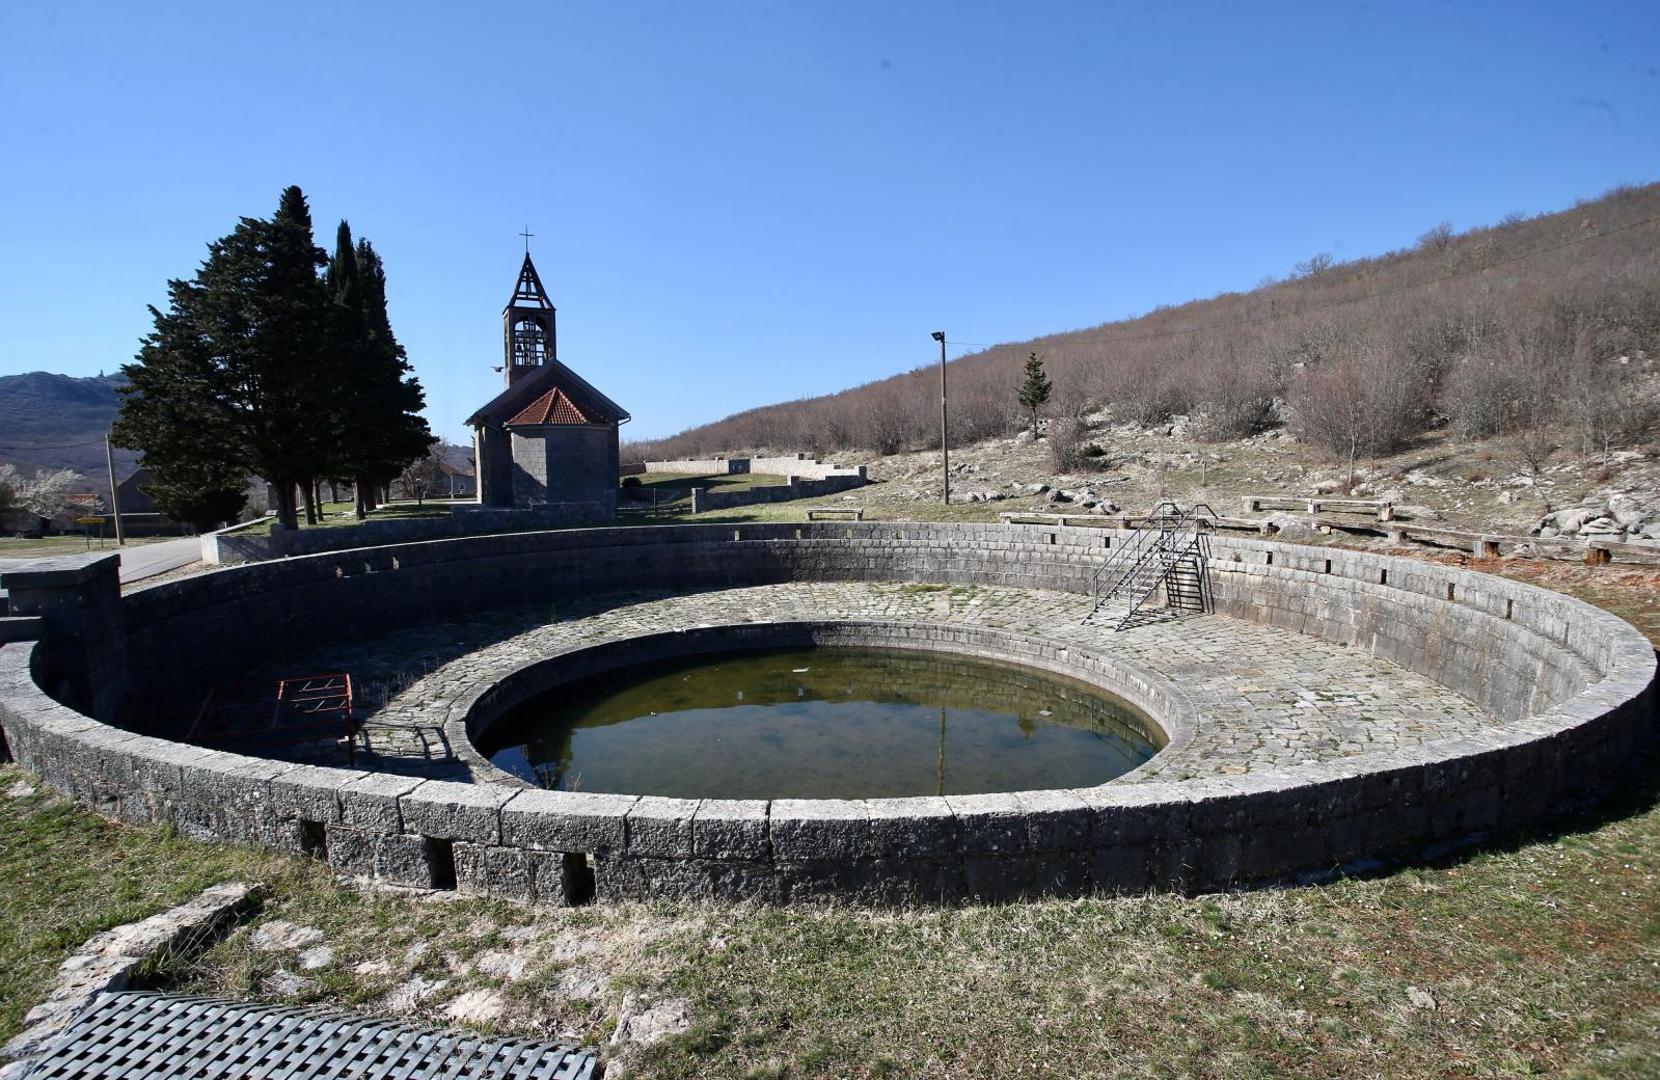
point(1525, 325)
point(58, 422)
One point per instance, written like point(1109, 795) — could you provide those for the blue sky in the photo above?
point(736, 204)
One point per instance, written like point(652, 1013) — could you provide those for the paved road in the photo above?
point(147, 560)
point(140, 561)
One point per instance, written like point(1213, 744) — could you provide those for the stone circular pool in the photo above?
point(838, 722)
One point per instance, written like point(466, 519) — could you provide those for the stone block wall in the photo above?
point(704, 500)
point(700, 466)
point(1575, 684)
point(802, 465)
point(566, 465)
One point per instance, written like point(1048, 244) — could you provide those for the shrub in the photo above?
point(1238, 401)
point(1066, 437)
point(1366, 403)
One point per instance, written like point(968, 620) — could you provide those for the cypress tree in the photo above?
point(377, 401)
point(230, 381)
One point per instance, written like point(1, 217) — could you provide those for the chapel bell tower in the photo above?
point(528, 333)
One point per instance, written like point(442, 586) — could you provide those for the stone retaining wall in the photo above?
point(1574, 683)
point(704, 500)
point(469, 519)
point(802, 465)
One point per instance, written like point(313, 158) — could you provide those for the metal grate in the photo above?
point(139, 1036)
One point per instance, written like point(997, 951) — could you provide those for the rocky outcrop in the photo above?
point(1632, 517)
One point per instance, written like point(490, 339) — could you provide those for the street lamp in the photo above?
point(945, 448)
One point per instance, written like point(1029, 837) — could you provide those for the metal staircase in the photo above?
point(1170, 549)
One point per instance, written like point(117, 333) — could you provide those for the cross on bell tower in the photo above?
point(528, 331)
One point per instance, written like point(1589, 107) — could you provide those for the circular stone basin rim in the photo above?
point(1160, 700)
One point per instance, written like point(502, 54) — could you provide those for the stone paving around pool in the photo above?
point(1267, 698)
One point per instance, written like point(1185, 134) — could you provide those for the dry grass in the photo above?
point(1542, 958)
point(23, 547)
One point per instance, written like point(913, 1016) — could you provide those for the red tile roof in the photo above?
point(553, 407)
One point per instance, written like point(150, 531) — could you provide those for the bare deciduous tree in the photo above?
point(1516, 295)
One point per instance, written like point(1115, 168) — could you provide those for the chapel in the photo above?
point(549, 440)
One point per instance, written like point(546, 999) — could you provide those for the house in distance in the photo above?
point(549, 440)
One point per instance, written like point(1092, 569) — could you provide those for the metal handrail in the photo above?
point(1153, 545)
point(1154, 536)
point(1196, 549)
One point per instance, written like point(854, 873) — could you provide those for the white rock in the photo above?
point(582, 983)
point(285, 983)
point(1287, 527)
point(644, 1024)
point(320, 956)
point(280, 934)
point(1569, 521)
point(19, 790)
point(1419, 998)
point(502, 965)
point(572, 944)
point(406, 996)
point(476, 1006)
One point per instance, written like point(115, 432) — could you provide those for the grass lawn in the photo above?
point(334, 515)
point(337, 515)
point(20, 547)
point(1537, 959)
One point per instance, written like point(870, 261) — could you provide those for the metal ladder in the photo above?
point(1170, 549)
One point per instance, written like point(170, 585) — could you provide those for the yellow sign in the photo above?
point(89, 521)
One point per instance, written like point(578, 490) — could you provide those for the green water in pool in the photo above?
point(840, 723)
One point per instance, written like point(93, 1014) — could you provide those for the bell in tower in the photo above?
point(528, 323)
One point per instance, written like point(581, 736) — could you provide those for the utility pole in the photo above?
point(945, 438)
point(115, 494)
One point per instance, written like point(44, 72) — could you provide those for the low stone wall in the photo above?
point(704, 500)
point(700, 466)
point(808, 468)
point(225, 548)
point(802, 465)
point(1572, 682)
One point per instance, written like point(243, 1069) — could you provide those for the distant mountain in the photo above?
point(52, 421)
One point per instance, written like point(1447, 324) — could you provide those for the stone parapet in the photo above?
point(1571, 683)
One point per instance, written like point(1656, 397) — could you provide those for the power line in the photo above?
point(1276, 316)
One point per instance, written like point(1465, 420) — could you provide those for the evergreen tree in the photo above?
point(402, 434)
point(1034, 392)
point(206, 493)
point(230, 381)
point(375, 412)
